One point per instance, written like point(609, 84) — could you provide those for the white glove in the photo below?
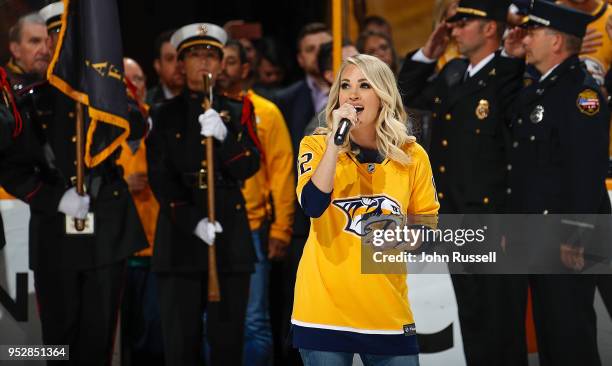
point(72, 204)
point(207, 231)
point(212, 125)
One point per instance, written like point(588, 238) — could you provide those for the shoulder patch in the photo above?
point(588, 102)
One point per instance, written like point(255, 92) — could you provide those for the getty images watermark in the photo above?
point(485, 243)
point(401, 240)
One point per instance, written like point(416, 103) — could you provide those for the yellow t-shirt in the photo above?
point(333, 300)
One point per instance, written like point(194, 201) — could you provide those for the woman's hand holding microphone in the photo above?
point(323, 177)
point(343, 119)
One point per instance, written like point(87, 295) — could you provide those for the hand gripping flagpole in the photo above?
point(214, 293)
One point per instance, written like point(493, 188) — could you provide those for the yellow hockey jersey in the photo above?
point(336, 307)
point(598, 63)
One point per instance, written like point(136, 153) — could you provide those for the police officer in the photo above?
point(469, 100)
point(559, 161)
point(177, 174)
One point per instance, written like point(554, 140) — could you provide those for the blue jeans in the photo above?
point(321, 358)
point(257, 329)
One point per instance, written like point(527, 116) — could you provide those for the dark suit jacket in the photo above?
point(155, 95)
point(298, 109)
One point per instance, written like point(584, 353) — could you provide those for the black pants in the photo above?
point(79, 309)
point(492, 316)
point(141, 333)
point(604, 285)
point(183, 300)
point(282, 285)
point(565, 319)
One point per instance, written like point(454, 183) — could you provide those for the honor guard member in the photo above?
point(10, 126)
point(559, 161)
point(178, 176)
point(52, 15)
point(78, 275)
point(469, 100)
point(29, 51)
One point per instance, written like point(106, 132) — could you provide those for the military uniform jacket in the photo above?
point(176, 153)
point(469, 128)
point(18, 78)
point(6, 130)
point(7, 125)
point(38, 169)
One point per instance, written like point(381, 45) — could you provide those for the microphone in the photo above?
point(342, 131)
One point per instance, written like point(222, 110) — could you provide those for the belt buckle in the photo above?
point(202, 179)
point(89, 229)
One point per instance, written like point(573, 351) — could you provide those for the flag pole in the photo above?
point(79, 224)
point(337, 35)
point(214, 292)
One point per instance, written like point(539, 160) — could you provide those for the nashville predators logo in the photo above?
point(359, 209)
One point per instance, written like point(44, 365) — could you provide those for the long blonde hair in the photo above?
point(391, 126)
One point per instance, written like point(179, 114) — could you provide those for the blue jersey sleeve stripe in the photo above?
point(314, 201)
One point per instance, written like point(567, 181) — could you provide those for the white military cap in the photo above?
point(52, 14)
point(198, 34)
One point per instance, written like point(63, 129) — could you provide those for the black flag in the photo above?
point(88, 67)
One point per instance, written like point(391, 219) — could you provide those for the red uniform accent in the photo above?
point(133, 93)
point(6, 88)
point(247, 119)
point(29, 196)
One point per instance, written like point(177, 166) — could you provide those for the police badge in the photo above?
point(482, 110)
point(537, 115)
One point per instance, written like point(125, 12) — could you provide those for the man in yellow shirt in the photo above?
point(269, 199)
point(141, 319)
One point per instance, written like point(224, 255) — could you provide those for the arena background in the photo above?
point(142, 20)
point(432, 296)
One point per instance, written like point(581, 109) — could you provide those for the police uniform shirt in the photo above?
point(469, 127)
point(559, 152)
